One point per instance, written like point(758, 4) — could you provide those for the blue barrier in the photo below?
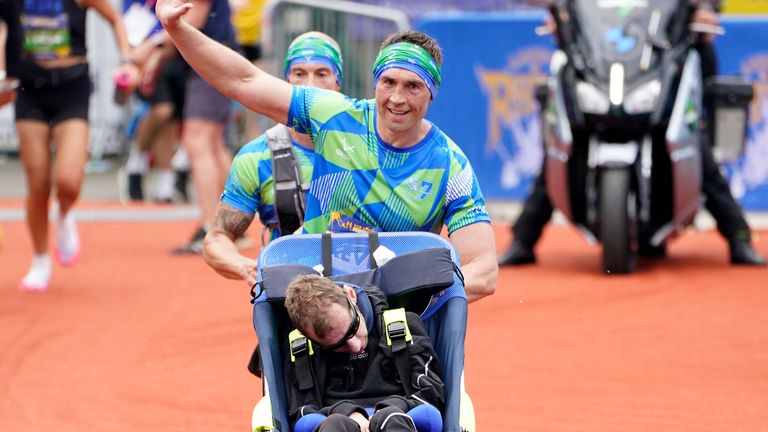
point(742, 51)
point(494, 61)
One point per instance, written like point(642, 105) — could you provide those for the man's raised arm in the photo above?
point(223, 68)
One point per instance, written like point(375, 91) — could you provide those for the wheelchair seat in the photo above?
point(423, 277)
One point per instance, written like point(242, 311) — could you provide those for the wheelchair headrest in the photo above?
point(408, 280)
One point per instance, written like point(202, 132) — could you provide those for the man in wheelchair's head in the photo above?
point(327, 314)
point(349, 378)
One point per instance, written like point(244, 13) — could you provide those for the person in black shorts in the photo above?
point(52, 107)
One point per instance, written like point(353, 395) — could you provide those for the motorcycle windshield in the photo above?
point(618, 31)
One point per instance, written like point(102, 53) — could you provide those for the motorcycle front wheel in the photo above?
point(617, 231)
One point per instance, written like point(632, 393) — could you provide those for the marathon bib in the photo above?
point(46, 37)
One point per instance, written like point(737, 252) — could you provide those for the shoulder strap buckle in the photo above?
point(396, 326)
point(396, 330)
point(300, 345)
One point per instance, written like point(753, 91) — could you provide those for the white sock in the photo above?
point(138, 161)
point(164, 184)
point(39, 274)
point(180, 161)
point(67, 239)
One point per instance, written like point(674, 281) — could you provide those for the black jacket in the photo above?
point(348, 383)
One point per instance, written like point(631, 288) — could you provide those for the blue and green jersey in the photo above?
point(361, 183)
point(250, 186)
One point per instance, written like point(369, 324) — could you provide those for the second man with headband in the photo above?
point(313, 59)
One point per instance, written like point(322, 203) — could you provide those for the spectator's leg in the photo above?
point(35, 154)
point(730, 220)
point(71, 138)
point(206, 112)
point(164, 149)
point(527, 229)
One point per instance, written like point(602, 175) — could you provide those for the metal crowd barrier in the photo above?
point(359, 29)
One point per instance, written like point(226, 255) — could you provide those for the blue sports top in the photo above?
point(250, 187)
point(361, 183)
point(53, 29)
point(219, 25)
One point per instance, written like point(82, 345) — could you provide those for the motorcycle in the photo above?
point(622, 123)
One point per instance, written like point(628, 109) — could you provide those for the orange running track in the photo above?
point(133, 339)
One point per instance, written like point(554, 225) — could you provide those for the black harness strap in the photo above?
point(290, 202)
point(327, 247)
point(397, 332)
point(373, 244)
point(303, 366)
point(301, 351)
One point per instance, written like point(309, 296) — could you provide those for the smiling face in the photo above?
point(402, 99)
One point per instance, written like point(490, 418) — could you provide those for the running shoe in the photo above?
point(39, 275)
point(67, 240)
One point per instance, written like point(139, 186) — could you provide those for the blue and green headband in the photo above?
point(411, 57)
point(313, 49)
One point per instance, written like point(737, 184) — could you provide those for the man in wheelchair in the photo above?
point(346, 359)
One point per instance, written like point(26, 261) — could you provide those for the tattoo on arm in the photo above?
point(232, 221)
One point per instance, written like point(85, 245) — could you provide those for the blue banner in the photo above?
point(492, 65)
point(742, 51)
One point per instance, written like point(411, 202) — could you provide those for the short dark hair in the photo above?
point(308, 299)
point(417, 38)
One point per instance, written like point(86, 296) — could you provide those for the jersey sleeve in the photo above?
point(464, 200)
point(244, 183)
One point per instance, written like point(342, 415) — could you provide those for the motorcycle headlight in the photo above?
point(643, 99)
point(591, 100)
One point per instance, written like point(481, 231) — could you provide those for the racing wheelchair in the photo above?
point(421, 275)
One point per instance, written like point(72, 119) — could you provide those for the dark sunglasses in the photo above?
point(351, 332)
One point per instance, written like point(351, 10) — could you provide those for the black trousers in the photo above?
point(536, 213)
point(719, 201)
point(389, 419)
point(717, 194)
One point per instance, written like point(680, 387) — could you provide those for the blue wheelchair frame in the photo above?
point(445, 318)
